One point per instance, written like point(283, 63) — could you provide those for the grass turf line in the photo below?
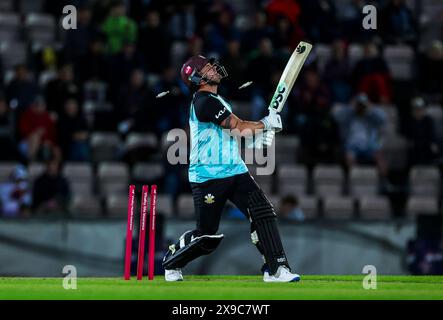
point(225, 287)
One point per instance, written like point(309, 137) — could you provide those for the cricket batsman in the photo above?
point(213, 184)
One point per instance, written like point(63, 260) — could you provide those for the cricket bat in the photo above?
point(289, 76)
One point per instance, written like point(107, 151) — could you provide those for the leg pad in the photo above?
point(190, 246)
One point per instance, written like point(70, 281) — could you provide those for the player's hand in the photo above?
point(261, 140)
point(268, 138)
point(272, 121)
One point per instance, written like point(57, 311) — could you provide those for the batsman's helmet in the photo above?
point(190, 71)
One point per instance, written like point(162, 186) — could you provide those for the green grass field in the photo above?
point(225, 287)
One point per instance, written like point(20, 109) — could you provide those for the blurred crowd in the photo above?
point(105, 75)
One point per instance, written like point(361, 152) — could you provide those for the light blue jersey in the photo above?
point(214, 152)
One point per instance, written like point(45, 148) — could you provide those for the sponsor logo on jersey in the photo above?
point(220, 113)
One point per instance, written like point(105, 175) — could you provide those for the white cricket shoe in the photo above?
point(173, 275)
point(282, 275)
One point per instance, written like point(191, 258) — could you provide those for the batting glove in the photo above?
point(272, 121)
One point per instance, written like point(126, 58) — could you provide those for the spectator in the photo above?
point(286, 37)
point(123, 64)
point(259, 31)
point(265, 69)
point(152, 32)
point(78, 40)
point(217, 34)
point(349, 13)
point(118, 28)
point(319, 139)
point(337, 72)
point(60, 89)
point(431, 69)
point(264, 62)
point(235, 64)
point(22, 90)
point(287, 8)
point(8, 147)
point(194, 47)
point(1, 72)
point(15, 194)
point(371, 75)
point(133, 101)
point(313, 92)
point(73, 133)
point(94, 64)
point(425, 256)
point(422, 140)
point(361, 129)
point(51, 192)
point(398, 23)
point(318, 20)
point(182, 24)
point(38, 132)
point(290, 209)
point(169, 111)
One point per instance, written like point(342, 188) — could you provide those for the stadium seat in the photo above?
point(147, 172)
point(9, 27)
point(338, 207)
point(178, 52)
point(328, 180)
point(95, 91)
point(323, 54)
point(363, 181)
point(117, 206)
point(113, 177)
point(165, 205)
point(186, 206)
point(399, 59)
point(291, 179)
point(355, 53)
point(419, 205)
point(309, 206)
point(264, 181)
point(80, 177)
point(6, 5)
point(12, 53)
point(6, 169)
point(135, 140)
point(104, 146)
point(424, 181)
point(30, 6)
point(395, 150)
point(40, 28)
point(435, 112)
point(85, 206)
point(391, 113)
point(371, 207)
point(286, 149)
point(35, 170)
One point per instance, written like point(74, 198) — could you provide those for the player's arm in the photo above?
point(209, 109)
point(243, 127)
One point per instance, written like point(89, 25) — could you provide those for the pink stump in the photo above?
point(151, 252)
point(129, 229)
point(142, 232)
